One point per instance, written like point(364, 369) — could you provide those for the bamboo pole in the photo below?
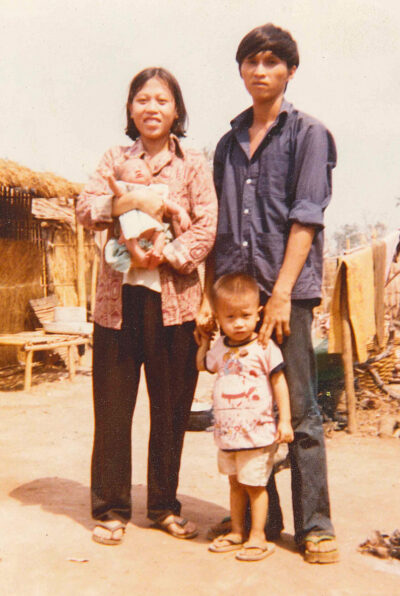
point(347, 356)
point(44, 269)
point(80, 264)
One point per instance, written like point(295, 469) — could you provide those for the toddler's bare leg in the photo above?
point(238, 501)
point(259, 510)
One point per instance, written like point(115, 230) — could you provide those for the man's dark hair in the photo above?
point(268, 37)
point(179, 126)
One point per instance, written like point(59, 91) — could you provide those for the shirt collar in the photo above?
point(245, 119)
point(246, 342)
point(157, 164)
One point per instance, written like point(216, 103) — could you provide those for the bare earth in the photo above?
point(45, 540)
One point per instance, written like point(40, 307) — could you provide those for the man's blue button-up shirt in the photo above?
point(288, 179)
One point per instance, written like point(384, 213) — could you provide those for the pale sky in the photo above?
point(66, 67)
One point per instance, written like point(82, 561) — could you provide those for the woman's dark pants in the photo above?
point(168, 355)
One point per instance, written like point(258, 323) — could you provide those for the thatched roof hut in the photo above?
point(43, 249)
point(39, 184)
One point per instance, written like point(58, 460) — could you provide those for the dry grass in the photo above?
point(61, 257)
point(20, 275)
point(44, 184)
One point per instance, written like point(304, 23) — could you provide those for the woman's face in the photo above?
point(153, 110)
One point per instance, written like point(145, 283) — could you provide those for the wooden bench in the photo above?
point(33, 341)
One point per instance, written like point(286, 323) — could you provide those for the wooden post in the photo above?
point(28, 370)
point(80, 264)
point(44, 268)
point(71, 363)
point(347, 356)
point(95, 269)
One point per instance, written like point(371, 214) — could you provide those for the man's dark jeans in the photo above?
point(310, 496)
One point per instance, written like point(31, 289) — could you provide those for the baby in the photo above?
point(249, 379)
point(141, 233)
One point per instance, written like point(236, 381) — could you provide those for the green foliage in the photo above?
point(354, 235)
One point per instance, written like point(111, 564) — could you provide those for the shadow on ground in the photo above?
point(62, 496)
point(12, 377)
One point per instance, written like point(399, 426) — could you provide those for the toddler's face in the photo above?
point(238, 317)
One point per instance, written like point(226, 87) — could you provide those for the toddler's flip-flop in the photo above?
point(255, 552)
point(222, 544)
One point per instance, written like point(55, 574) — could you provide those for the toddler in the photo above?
point(249, 378)
point(141, 233)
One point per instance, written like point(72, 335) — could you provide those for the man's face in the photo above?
point(265, 76)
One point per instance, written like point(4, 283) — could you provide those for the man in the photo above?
point(272, 172)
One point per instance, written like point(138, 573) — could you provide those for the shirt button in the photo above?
point(248, 181)
point(245, 243)
point(246, 211)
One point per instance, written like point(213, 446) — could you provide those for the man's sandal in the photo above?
point(113, 527)
point(167, 526)
point(317, 555)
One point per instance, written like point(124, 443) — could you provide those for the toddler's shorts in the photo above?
point(251, 466)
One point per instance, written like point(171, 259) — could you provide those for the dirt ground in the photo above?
point(45, 540)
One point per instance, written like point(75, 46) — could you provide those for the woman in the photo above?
point(147, 315)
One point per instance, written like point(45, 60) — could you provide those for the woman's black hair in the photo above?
point(269, 37)
point(179, 126)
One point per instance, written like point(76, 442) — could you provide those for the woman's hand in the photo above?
point(179, 214)
point(183, 219)
point(206, 324)
point(143, 198)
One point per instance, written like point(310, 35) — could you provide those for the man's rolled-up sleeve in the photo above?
point(315, 159)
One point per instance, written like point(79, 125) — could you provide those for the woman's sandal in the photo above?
point(317, 555)
point(167, 523)
point(112, 527)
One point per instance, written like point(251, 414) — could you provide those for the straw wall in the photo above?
point(61, 260)
point(20, 280)
point(61, 264)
